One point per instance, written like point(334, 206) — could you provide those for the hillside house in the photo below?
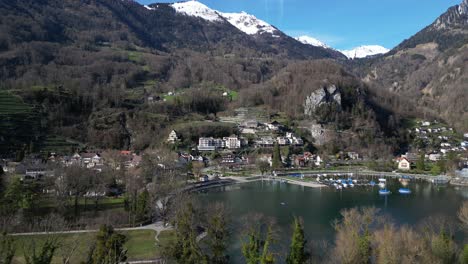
point(173, 137)
point(404, 164)
point(274, 126)
point(91, 160)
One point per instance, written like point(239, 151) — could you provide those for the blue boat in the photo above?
point(404, 191)
point(384, 192)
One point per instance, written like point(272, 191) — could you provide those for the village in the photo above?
point(256, 144)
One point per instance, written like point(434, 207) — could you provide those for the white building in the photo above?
point(404, 164)
point(274, 126)
point(434, 157)
point(232, 142)
point(283, 141)
point(426, 123)
point(173, 138)
point(318, 161)
point(210, 144)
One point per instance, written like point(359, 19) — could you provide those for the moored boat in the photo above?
point(384, 192)
point(404, 191)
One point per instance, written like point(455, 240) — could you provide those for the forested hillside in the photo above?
point(89, 68)
point(428, 69)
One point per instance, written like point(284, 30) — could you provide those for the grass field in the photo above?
point(141, 245)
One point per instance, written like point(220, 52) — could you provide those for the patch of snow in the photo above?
point(311, 41)
point(248, 23)
point(197, 9)
point(149, 7)
point(364, 51)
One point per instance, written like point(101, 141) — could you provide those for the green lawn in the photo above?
point(141, 245)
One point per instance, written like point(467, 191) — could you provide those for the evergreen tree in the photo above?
point(420, 164)
point(7, 250)
point(364, 248)
point(257, 250)
point(277, 162)
point(218, 236)
point(444, 248)
point(45, 254)
point(142, 205)
point(297, 251)
point(185, 248)
point(109, 248)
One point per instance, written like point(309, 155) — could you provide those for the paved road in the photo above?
point(158, 227)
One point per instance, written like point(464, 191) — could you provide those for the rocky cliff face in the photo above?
point(324, 95)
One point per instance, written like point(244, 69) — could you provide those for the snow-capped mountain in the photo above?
point(246, 23)
point(311, 41)
point(364, 51)
point(249, 23)
point(197, 9)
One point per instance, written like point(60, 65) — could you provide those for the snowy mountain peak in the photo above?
point(245, 22)
point(311, 41)
point(197, 9)
point(249, 23)
point(364, 51)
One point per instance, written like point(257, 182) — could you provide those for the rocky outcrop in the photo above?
point(324, 95)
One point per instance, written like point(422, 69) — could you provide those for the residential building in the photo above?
point(90, 160)
point(134, 161)
point(232, 142)
point(434, 157)
point(204, 178)
point(228, 159)
point(353, 155)
point(404, 164)
point(283, 141)
point(172, 138)
point(318, 161)
point(273, 126)
point(266, 142)
point(210, 144)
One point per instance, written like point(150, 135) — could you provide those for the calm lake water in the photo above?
point(319, 207)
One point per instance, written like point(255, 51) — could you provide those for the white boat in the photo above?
point(351, 185)
point(338, 187)
point(345, 185)
point(382, 184)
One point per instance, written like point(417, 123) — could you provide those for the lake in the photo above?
point(319, 207)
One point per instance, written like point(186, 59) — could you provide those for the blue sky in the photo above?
point(342, 24)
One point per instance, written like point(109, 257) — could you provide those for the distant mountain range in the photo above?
point(251, 25)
